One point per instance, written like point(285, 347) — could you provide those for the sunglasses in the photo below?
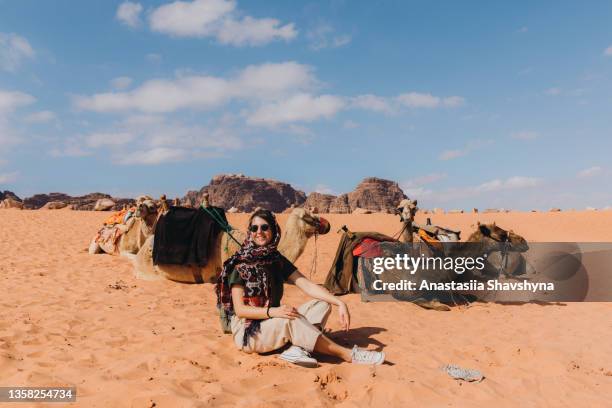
point(263, 227)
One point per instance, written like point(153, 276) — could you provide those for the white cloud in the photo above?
point(525, 135)
point(72, 147)
point(452, 154)
point(108, 139)
point(523, 29)
point(13, 50)
point(252, 31)
point(194, 138)
point(590, 172)
point(416, 187)
point(218, 19)
point(8, 177)
point(411, 100)
point(11, 100)
point(512, 183)
point(121, 82)
point(129, 13)
point(469, 147)
point(300, 107)
point(372, 102)
point(419, 100)
point(553, 91)
point(203, 92)
point(608, 51)
point(453, 101)
point(324, 36)
point(156, 155)
point(40, 117)
point(427, 100)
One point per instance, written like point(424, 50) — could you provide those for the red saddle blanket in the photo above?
point(368, 248)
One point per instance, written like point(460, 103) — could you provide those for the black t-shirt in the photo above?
point(279, 273)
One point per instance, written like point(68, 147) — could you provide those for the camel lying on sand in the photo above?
point(300, 226)
point(134, 233)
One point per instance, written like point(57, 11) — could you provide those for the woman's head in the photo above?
point(263, 228)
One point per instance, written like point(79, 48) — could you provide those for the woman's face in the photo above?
point(261, 231)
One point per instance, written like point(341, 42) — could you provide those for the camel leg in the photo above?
point(94, 248)
point(143, 263)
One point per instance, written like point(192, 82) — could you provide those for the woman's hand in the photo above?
point(345, 316)
point(284, 311)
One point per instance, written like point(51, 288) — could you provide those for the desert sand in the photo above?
point(69, 318)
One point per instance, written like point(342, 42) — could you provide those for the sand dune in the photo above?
point(69, 318)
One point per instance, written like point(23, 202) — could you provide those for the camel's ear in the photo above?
point(494, 223)
point(416, 202)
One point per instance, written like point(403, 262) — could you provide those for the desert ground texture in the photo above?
point(68, 318)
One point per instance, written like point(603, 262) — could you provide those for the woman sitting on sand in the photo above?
point(250, 289)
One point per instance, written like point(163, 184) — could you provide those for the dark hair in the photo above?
point(269, 217)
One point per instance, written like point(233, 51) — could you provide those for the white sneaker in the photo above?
point(299, 356)
point(361, 356)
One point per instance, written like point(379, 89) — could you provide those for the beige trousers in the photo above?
point(277, 331)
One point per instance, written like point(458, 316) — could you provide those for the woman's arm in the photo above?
point(259, 313)
point(319, 292)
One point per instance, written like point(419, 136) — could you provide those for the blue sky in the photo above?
point(465, 104)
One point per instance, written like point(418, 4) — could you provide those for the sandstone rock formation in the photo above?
point(10, 203)
point(86, 202)
point(104, 204)
point(54, 205)
point(320, 201)
point(372, 194)
point(247, 193)
point(340, 205)
point(376, 194)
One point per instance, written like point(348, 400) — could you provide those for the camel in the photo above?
point(407, 209)
point(300, 226)
point(134, 233)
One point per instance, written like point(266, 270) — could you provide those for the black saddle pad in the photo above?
point(186, 236)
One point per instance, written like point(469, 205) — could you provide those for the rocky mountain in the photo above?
point(376, 194)
point(86, 202)
point(246, 193)
point(372, 194)
point(8, 194)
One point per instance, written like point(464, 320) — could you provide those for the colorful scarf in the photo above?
point(250, 261)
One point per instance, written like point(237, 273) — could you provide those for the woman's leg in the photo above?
point(316, 312)
point(324, 345)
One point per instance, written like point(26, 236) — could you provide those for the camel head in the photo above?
point(496, 237)
point(407, 209)
point(145, 208)
point(308, 223)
